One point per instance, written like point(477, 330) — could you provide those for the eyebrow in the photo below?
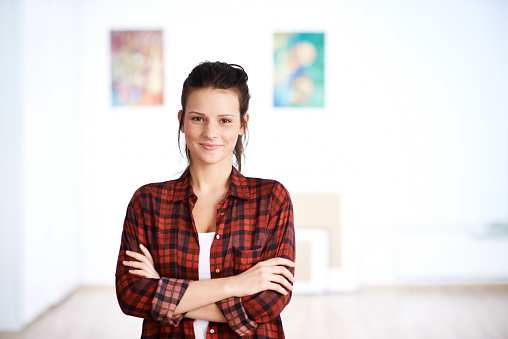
point(220, 115)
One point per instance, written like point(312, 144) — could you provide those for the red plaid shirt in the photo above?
point(254, 223)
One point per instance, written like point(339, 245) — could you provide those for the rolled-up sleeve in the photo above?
point(138, 296)
point(245, 313)
point(167, 296)
point(236, 316)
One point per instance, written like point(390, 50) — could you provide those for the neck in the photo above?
point(210, 178)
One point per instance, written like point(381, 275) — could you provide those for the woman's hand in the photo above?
point(144, 264)
point(270, 274)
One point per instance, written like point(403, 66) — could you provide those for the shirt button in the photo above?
point(217, 237)
point(217, 271)
point(212, 331)
point(221, 213)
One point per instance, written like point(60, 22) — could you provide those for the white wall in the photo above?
point(429, 140)
point(40, 209)
point(440, 256)
point(11, 216)
point(429, 136)
point(50, 151)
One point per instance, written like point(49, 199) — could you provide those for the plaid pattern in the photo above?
point(235, 314)
point(254, 223)
point(166, 298)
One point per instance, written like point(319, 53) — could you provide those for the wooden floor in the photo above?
point(471, 312)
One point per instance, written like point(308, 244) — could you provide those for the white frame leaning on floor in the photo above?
point(319, 241)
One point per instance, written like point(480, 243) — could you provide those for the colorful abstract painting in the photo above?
point(136, 68)
point(299, 70)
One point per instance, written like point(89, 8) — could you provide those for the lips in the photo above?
point(210, 147)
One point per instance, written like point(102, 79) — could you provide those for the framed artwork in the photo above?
point(136, 68)
point(299, 70)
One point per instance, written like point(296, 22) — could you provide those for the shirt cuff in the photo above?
point(167, 296)
point(236, 316)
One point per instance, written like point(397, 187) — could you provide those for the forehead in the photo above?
point(213, 100)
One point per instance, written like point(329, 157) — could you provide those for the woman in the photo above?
point(210, 254)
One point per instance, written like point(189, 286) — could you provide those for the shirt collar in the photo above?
point(238, 186)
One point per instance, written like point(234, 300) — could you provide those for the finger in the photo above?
point(280, 270)
point(274, 275)
point(146, 252)
point(279, 262)
point(278, 288)
point(148, 272)
point(133, 254)
point(137, 256)
point(135, 264)
point(285, 262)
point(141, 273)
point(279, 279)
point(287, 274)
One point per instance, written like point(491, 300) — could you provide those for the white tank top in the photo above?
point(205, 243)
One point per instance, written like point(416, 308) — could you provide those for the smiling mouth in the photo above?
point(210, 147)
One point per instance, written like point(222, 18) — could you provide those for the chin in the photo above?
point(208, 160)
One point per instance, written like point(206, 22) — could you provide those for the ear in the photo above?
point(245, 121)
point(180, 113)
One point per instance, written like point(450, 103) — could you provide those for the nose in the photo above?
point(211, 130)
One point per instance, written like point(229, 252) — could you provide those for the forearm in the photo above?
point(209, 312)
point(202, 293)
point(135, 295)
point(265, 306)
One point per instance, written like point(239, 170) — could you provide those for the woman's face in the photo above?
point(212, 125)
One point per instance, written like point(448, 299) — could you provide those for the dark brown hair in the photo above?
point(219, 75)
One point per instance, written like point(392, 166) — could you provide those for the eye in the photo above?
point(197, 119)
point(225, 121)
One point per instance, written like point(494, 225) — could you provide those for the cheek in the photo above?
point(191, 132)
point(233, 136)
point(232, 144)
point(191, 137)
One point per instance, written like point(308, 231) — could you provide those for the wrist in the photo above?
point(229, 286)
